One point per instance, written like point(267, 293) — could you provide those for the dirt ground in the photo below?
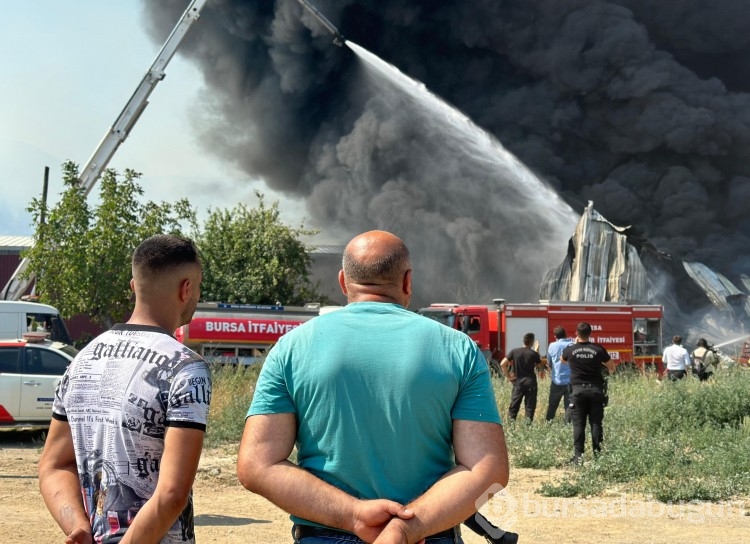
point(227, 514)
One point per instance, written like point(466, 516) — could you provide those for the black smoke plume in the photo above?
point(641, 106)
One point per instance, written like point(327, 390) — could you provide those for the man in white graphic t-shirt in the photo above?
point(130, 414)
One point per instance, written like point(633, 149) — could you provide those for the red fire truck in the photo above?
point(632, 334)
point(240, 333)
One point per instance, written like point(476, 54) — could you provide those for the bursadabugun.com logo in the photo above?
point(502, 510)
point(499, 508)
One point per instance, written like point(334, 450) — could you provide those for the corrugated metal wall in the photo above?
point(8, 263)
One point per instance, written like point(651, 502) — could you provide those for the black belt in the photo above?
point(302, 531)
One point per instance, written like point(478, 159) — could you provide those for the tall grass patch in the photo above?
point(232, 390)
point(679, 441)
point(540, 444)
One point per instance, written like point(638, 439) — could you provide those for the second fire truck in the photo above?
point(632, 334)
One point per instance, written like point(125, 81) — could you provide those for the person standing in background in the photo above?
point(705, 360)
point(559, 387)
point(676, 360)
point(587, 361)
point(526, 362)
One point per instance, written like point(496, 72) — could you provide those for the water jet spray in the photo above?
point(338, 38)
point(743, 338)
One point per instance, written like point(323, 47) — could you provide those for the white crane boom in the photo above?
point(17, 285)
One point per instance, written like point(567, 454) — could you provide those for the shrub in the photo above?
point(232, 390)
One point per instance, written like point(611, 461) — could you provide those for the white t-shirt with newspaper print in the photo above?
point(119, 395)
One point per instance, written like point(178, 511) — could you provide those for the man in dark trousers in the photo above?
point(587, 362)
point(559, 386)
point(526, 362)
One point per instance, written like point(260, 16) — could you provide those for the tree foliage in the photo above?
point(81, 256)
point(251, 257)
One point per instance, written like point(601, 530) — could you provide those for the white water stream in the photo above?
point(479, 144)
point(483, 223)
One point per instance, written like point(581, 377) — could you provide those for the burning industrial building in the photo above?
point(642, 107)
point(608, 263)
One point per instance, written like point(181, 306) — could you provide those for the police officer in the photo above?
point(587, 361)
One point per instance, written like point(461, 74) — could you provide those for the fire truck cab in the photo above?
point(632, 334)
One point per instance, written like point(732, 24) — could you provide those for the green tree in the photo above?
point(251, 257)
point(81, 256)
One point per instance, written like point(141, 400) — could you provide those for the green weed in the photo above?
point(680, 441)
point(233, 388)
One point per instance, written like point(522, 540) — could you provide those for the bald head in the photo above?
point(376, 267)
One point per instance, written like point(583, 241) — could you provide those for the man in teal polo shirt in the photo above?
point(393, 415)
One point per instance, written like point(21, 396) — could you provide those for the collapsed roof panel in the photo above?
point(600, 265)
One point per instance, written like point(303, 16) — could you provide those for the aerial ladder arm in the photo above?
point(138, 102)
point(17, 285)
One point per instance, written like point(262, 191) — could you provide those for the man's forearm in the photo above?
point(449, 502)
point(505, 367)
point(179, 464)
point(61, 491)
point(304, 495)
point(154, 519)
point(482, 458)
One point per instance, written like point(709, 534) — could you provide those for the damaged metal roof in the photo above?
point(600, 265)
point(717, 287)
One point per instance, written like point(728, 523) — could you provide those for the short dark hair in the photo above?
point(702, 343)
point(528, 338)
point(677, 339)
point(162, 252)
point(583, 329)
point(392, 266)
point(559, 332)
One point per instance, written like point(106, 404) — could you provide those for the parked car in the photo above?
point(30, 370)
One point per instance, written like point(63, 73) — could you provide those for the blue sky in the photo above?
point(69, 67)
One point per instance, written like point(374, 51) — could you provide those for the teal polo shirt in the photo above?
point(375, 388)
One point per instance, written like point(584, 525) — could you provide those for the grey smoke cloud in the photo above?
point(639, 106)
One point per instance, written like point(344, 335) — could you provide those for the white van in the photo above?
point(18, 318)
point(30, 371)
